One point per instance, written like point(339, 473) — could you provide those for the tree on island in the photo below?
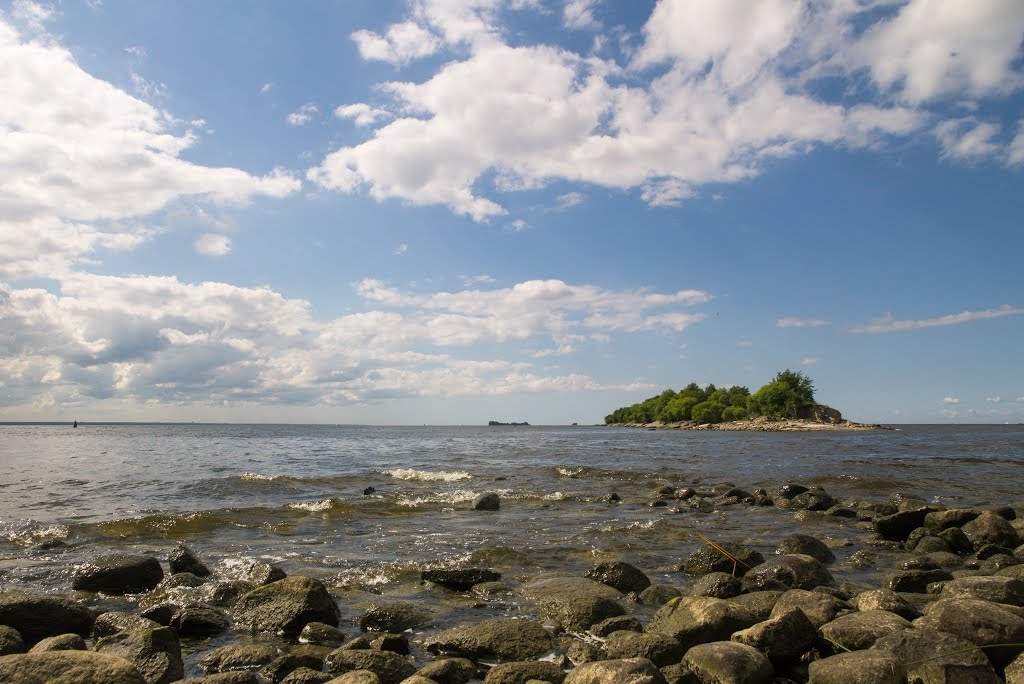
point(780, 398)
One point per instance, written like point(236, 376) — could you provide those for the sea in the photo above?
point(368, 507)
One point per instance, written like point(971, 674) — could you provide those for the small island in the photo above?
point(785, 403)
point(493, 423)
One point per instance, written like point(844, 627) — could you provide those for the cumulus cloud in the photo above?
point(794, 322)
point(1015, 152)
point(579, 15)
point(303, 115)
point(400, 43)
point(212, 244)
point(889, 324)
point(361, 114)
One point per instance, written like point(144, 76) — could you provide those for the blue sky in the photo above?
point(450, 211)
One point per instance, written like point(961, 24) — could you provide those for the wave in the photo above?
point(454, 497)
point(428, 475)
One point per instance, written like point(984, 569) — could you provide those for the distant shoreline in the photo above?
point(756, 425)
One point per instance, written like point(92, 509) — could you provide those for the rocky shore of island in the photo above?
point(951, 610)
point(759, 424)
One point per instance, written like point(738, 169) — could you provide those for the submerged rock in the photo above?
point(487, 501)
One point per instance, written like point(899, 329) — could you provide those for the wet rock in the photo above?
point(61, 642)
point(980, 622)
point(118, 573)
point(934, 657)
point(816, 606)
point(522, 672)
point(182, 579)
point(989, 550)
point(807, 545)
point(886, 599)
point(1015, 671)
point(394, 616)
point(155, 653)
point(814, 499)
point(183, 559)
point(161, 612)
point(390, 668)
point(226, 593)
point(957, 540)
point(487, 501)
point(841, 512)
point(282, 666)
point(449, 671)
point(708, 558)
point(611, 497)
point(698, 619)
point(619, 575)
point(498, 639)
point(793, 572)
point(396, 643)
point(625, 671)
point(286, 606)
point(660, 649)
point(199, 621)
point(238, 657)
point(357, 644)
point(717, 585)
point(321, 634)
point(937, 521)
point(74, 667)
point(931, 544)
point(260, 573)
point(37, 617)
point(917, 581)
point(1007, 590)
point(944, 559)
point(990, 528)
point(620, 623)
point(242, 677)
point(788, 491)
point(859, 630)
point(722, 662)
point(582, 651)
point(11, 641)
point(460, 580)
point(783, 638)
point(658, 594)
point(575, 603)
point(898, 526)
point(306, 675)
point(857, 667)
point(759, 604)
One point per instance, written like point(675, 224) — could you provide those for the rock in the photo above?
point(860, 630)
point(394, 616)
point(710, 558)
point(390, 668)
point(818, 607)
point(238, 657)
point(37, 617)
point(660, 649)
point(980, 622)
point(199, 621)
point(990, 528)
point(698, 619)
point(286, 606)
point(61, 642)
point(1007, 590)
point(118, 573)
point(182, 559)
point(161, 612)
point(227, 593)
point(67, 667)
point(321, 634)
point(306, 675)
point(260, 573)
point(717, 585)
point(155, 653)
point(621, 576)
point(956, 539)
point(793, 572)
point(898, 526)
point(522, 672)
point(885, 599)
point(726, 662)
point(758, 603)
point(788, 491)
point(182, 579)
point(460, 580)
point(487, 501)
point(806, 545)
point(937, 521)
point(574, 603)
point(917, 581)
point(396, 643)
point(619, 623)
point(626, 671)
point(449, 671)
point(931, 544)
point(814, 499)
point(498, 639)
point(11, 641)
point(357, 644)
point(934, 657)
point(1015, 671)
point(782, 639)
point(282, 666)
point(857, 667)
point(242, 677)
point(658, 595)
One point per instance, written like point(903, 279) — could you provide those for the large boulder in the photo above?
point(391, 615)
point(898, 526)
point(620, 575)
point(807, 545)
point(728, 661)
point(858, 667)
point(698, 619)
point(980, 622)
point(860, 630)
point(783, 638)
point(660, 649)
point(575, 603)
point(498, 639)
point(990, 528)
point(286, 606)
point(934, 657)
point(734, 559)
point(624, 671)
point(68, 667)
point(390, 668)
point(1008, 590)
point(118, 573)
point(155, 653)
point(795, 572)
point(37, 617)
point(817, 606)
point(938, 521)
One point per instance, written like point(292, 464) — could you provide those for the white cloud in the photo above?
point(967, 139)
point(811, 361)
point(1015, 152)
point(303, 115)
point(401, 43)
point(483, 279)
point(136, 51)
point(579, 15)
point(518, 226)
point(266, 88)
point(950, 400)
point(889, 324)
point(994, 399)
point(361, 114)
point(794, 322)
point(401, 249)
point(666, 193)
point(32, 14)
point(212, 244)
point(569, 200)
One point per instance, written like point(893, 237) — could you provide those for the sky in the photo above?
point(453, 211)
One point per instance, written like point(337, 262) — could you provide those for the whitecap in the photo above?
point(428, 475)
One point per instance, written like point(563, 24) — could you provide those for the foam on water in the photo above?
point(428, 475)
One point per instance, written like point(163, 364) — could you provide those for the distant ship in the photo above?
point(492, 423)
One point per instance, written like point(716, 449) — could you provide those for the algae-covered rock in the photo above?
point(286, 606)
point(698, 619)
point(68, 667)
point(498, 639)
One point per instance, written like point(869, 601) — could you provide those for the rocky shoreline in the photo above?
point(949, 608)
point(757, 425)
